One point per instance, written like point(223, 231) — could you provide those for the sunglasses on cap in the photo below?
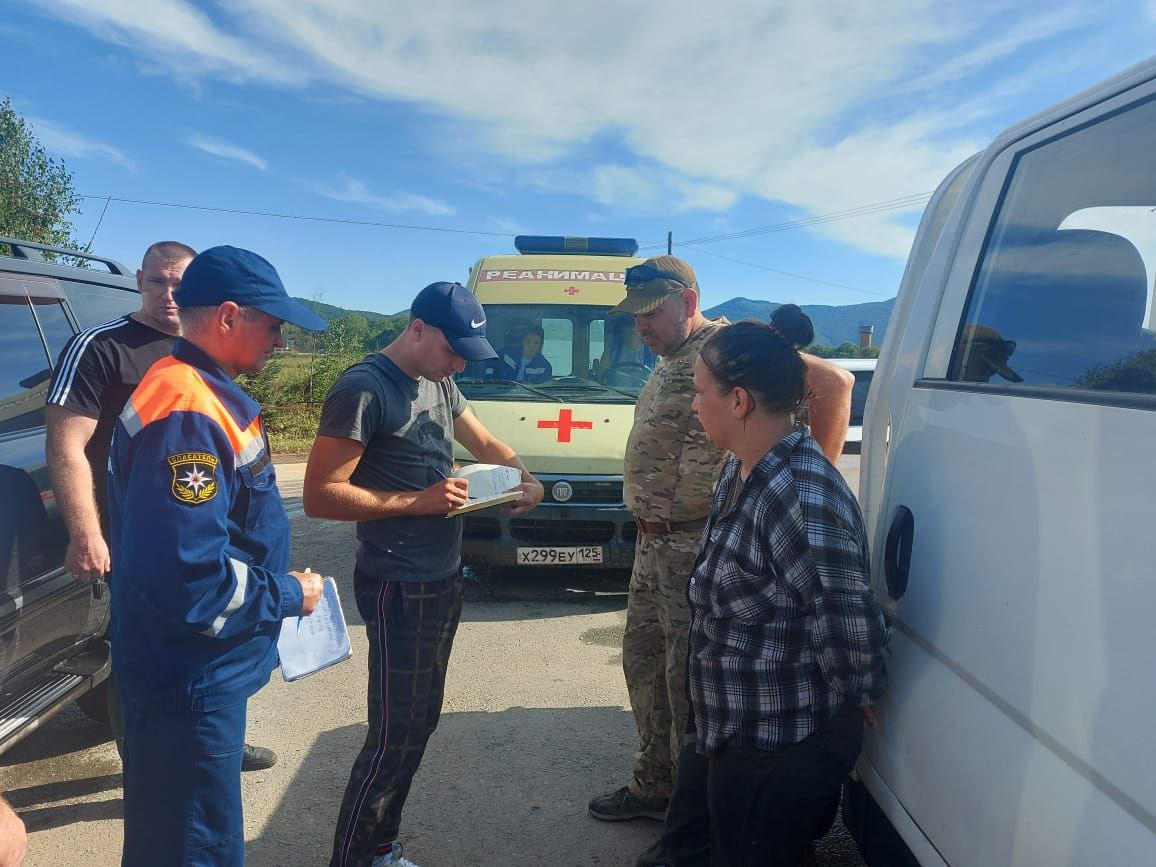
point(638, 274)
point(1007, 347)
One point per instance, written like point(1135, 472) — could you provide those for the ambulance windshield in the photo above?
point(558, 352)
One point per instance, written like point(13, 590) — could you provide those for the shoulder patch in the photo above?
point(194, 477)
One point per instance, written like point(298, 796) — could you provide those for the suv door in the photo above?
point(43, 611)
point(1016, 725)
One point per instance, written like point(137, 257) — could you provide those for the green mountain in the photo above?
point(833, 324)
point(331, 312)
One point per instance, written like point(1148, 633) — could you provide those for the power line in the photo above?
point(863, 210)
point(850, 213)
point(790, 273)
point(305, 217)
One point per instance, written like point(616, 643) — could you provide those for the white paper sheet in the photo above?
point(315, 642)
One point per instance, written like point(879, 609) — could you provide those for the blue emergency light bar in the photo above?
point(556, 244)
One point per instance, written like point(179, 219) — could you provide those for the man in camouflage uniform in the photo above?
point(668, 483)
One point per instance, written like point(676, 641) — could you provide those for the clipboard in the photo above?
point(316, 641)
point(485, 503)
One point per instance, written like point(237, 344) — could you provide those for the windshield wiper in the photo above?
point(581, 386)
point(477, 381)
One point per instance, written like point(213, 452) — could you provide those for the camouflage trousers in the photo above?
point(654, 650)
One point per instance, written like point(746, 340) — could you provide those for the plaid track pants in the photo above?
point(410, 626)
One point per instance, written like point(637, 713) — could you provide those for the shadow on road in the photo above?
point(529, 596)
point(506, 788)
point(72, 732)
point(29, 796)
point(74, 753)
point(43, 818)
point(529, 590)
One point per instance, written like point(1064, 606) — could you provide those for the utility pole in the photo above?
point(669, 243)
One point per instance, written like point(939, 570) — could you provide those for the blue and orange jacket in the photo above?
point(200, 540)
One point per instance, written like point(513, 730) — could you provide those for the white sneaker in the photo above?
point(392, 858)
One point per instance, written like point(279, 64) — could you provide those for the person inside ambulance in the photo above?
point(625, 356)
point(522, 362)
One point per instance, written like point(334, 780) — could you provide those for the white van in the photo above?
point(863, 369)
point(1010, 499)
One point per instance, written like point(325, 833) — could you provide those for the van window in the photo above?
point(24, 367)
point(1063, 294)
point(54, 324)
point(575, 345)
point(859, 395)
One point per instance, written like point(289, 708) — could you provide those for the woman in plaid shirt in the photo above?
point(786, 636)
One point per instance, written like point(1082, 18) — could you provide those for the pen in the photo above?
point(308, 569)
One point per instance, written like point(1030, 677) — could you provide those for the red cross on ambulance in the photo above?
point(565, 423)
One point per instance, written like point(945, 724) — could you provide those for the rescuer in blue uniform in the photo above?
point(201, 545)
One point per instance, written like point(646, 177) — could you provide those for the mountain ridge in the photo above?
point(834, 323)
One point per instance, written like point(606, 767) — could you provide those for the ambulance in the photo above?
point(561, 394)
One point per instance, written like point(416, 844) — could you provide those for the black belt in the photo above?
point(661, 528)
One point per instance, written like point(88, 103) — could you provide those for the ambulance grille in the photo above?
point(528, 531)
point(588, 493)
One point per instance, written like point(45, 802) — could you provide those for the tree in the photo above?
point(36, 192)
point(346, 334)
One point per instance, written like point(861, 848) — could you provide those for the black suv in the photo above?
point(52, 628)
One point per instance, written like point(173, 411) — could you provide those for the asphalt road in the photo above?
point(536, 721)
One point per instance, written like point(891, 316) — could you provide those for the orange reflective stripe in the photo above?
point(172, 386)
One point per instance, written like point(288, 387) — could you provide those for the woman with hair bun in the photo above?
point(786, 636)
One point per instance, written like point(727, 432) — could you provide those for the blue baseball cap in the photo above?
point(222, 274)
point(453, 309)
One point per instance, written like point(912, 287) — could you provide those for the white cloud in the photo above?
point(824, 106)
point(1002, 43)
point(177, 36)
point(355, 191)
point(509, 226)
point(228, 151)
point(59, 139)
point(637, 189)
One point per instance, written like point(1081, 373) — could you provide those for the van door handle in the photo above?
point(897, 552)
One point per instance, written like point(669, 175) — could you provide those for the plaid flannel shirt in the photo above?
point(785, 628)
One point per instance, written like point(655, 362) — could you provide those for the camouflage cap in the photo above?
point(652, 282)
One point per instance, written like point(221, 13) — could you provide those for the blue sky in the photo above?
point(486, 120)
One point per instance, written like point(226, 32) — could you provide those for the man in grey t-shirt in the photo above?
point(383, 457)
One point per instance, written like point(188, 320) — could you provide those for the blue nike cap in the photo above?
point(222, 274)
point(453, 309)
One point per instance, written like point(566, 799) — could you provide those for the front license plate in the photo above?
point(591, 554)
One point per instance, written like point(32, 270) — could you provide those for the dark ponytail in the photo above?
point(763, 358)
point(794, 326)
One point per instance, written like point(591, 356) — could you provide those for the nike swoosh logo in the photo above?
point(477, 324)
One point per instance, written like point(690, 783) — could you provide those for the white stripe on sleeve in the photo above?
point(71, 361)
point(241, 573)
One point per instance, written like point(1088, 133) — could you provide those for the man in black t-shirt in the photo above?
point(384, 457)
point(97, 372)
